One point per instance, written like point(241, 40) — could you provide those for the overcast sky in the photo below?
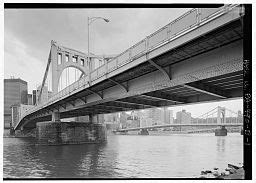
point(28, 33)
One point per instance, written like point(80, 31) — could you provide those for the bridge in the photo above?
point(215, 118)
point(198, 57)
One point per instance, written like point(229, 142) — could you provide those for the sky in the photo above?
point(28, 34)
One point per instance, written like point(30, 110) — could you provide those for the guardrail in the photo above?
point(185, 23)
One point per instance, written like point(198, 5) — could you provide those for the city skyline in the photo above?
point(234, 105)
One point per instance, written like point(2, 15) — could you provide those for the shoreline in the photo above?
point(234, 172)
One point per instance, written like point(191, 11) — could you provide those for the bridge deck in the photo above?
point(178, 125)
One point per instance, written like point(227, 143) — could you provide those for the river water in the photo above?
point(123, 156)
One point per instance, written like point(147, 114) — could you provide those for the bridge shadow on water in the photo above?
point(75, 160)
point(63, 161)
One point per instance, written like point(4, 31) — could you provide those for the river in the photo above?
point(123, 156)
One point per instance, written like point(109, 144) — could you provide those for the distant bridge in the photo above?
point(205, 120)
point(176, 125)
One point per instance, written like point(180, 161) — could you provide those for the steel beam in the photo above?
point(56, 107)
point(63, 106)
point(99, 94)
point(113, 106)
point(207, 89)
point(72, 103)
point(134, 105)
point(126, 104)
point(166, 74)
point(163, 96)
point(83, 99)
point(141, 102)
point(120, 84)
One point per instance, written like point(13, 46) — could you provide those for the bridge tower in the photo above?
point(57, 132)
point(221, 115)
point(221, 118)
point(62, 58)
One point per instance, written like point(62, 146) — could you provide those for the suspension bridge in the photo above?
point(215, 118)
point(198, 57)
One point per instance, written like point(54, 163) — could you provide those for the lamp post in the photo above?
point(90, 20)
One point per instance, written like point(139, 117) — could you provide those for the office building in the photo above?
point(15, 92)
point(30, 99)
point(183, 117)
point(34, 97)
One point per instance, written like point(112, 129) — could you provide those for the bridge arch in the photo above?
point(63, 58)
point(69, 75)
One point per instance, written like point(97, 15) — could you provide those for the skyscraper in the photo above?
point(15, 92)
point(30, 99)
point(183, 117)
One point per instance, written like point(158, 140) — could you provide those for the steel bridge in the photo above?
point(196, 58)
point(216, 117)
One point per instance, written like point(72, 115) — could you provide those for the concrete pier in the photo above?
point(221, 132)
point(143, 132)
point(60, 133)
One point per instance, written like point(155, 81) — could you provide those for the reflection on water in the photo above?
point(123, 156)
point(220, 144)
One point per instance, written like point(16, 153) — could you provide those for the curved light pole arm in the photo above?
point(90, 21)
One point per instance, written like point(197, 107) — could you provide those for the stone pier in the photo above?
point(221, 132)
point(143, 132)
point(60, 133)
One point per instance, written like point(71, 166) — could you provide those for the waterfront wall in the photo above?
point(59, 133)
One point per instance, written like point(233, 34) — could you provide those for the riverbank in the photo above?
point(238, 174)
point(233, 172)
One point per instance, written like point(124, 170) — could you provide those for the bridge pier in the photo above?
point(144, 132)
point(221, 132)
point(60, 133)
point(123, 133)
point(56, 116)
point(242, 131)
point(12, 131)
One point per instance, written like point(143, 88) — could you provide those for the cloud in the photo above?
point(19, 63)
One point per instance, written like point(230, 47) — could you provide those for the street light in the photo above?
point(90, 20)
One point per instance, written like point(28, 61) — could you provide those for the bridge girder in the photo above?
point(207, 89)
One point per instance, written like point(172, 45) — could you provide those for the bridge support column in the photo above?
point(96, 118)
point(242, 131)
point(123, 133)
point(12, 131)
point(56, 117)
point(58, 133)
point(144, 132)
point(221, 132)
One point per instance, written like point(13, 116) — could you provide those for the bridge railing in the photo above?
point(183, 24)
point(171, 31)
